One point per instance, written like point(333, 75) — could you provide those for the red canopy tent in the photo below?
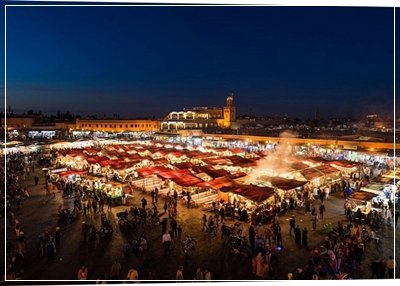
point(217, 161)
point(254, 193)
point(214, 173)
point(316, 160)
point(285, 184)
point(218, 183)
point(241, 162)
point(345, 163)
point(170, 174)
point(184, 165)
point(186, 180)
point(71, 172)
point(154, 170)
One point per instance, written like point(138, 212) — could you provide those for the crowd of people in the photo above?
point(18, 168)
point(343, 246)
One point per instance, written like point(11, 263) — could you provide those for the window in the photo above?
point(97, 125)
point(135, 125)
point(17, 125)
point(120, 125)
point(131, 125)
point(126, 125)
point(101, 125)
point(142, 125)
point(105, 125)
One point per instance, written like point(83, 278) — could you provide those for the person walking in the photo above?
point(109, 201)
point(259, 266)
point(199, 274)
point(314, 220)
point(115, 270)
point(390, 265)
point(144, 203)
point(174, 226)
point(305, 237)
point(204, 225)
point(132, 274)
point(279, 241)
point(94, 206)
point(252, 238)
point(321, 211)
point(85, 230)
point(375, 268)
point(297, 235)
point(84, 209)
point(89, 207)
point(222, 213)
point(166, 241)
point(36, 180)
point(292, 224)
point(82, 273)
point(207, 275)
point(179, 273)
point(57, 236)
point(382, 269)
point(51, 250)
point(189, 198)
point(165, 206)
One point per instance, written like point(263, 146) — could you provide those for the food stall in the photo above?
point(361, 204)
point(384, 194)
point(249, 197)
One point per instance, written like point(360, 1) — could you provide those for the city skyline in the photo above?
point(147, 61)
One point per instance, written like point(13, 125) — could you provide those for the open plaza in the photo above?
point(162, 207)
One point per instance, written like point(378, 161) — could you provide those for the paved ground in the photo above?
point(40, 213)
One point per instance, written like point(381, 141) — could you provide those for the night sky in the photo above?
point(147, 61)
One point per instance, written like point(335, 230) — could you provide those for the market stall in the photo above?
point(249, 196)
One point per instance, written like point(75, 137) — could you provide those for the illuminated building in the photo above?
point(18, 122)
point(201, 117)
point(117, 125)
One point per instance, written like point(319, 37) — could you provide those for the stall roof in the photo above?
point(298, 166)
point(105, 163)
point(237, 175)
point(316, 160)
point(327, 169)
point(375, 188)
point(254, 193)
point(311, 174)
point(217, 161)
point(170, 174)
point(212, 172)
point(345, 163)
point(148, 171)
point(184, 165)
point(240, 161)
point(318, 171)
point(286, 184)
point(392, 175)
point(362, 196)
point(237, 151)
point(176, 154)
point(218, 183)
point(186, 180)
point(71, 172)
point(160, 161)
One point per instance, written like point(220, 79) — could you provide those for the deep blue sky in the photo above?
point(144, 61)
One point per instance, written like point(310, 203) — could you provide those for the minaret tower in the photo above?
point(229, 112)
